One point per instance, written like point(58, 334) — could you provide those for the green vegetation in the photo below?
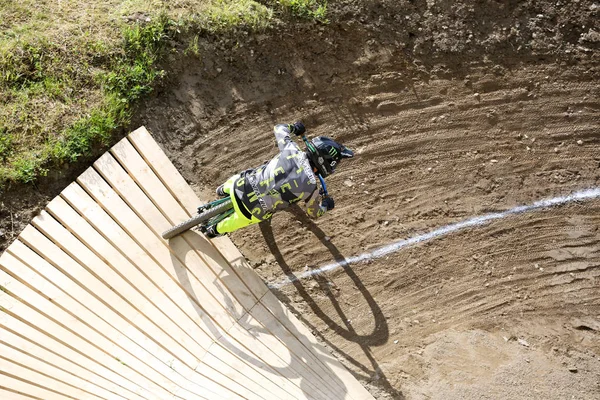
point(71, 71)
point(310, 9)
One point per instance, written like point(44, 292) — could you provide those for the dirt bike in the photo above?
point(216, 211)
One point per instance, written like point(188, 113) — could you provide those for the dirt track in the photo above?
point(447, 127)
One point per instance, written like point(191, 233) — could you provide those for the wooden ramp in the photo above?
point(94, 304)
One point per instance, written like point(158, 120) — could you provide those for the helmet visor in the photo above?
point(346, 152)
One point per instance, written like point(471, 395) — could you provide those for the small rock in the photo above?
point(493, 161)
point(580, 142)
point(477, 96)
point(429, 169)
point(219, 70)
point(523, 342)
point(573, 369)
point(395, 341)
point(2, 234)
point(348, 183)
point(585, 324)
point(386, 106)
point(327, 238)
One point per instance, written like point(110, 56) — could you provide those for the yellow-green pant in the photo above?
point(236, 220)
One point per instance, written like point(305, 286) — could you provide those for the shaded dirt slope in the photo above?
point(456, 109)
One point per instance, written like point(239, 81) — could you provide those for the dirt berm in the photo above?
point(455, 109)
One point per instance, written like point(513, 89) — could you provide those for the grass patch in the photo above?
point(5, 144)
point(72, 71)
point(308, 9)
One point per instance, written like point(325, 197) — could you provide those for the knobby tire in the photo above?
point(197, 219)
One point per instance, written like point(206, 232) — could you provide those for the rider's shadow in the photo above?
point(380, 332)
point(290, 368)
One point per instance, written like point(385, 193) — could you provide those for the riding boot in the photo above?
point(211, 232)
point(221, 191)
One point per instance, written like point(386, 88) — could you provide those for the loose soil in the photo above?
point(455, 109)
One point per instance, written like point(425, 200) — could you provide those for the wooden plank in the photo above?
point(225, 311)
point(157, 248)
point(137, 168)
point(59, 259)
point(303, 360)
point(240, 266)
point(137, 271)
point(78, 200)
point(269, 385)
point(149, 240)
point(55, 344)
point(259, 385)
point(277, 359)
point(96, 383)
point(353, 389)
point(67, 303)
point(10, 361)
point(187, 320)
point(120, 294)
point(172, 179)
point(61, 350)
point(172, 210)
point(112, 231)
point(143, 207)
point(135, 347)
point(29, 389)
point(164, 169)
point(6, 394)
point(27, 367)
point(297, 351)
point(161, 166)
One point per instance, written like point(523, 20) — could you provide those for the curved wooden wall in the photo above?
point(94, 304)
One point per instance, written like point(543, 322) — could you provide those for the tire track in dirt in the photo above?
point(485, 156)
point(438, 141)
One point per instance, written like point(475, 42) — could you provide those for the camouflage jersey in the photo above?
point(285, 180)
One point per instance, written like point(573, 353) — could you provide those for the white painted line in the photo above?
point(588, 194)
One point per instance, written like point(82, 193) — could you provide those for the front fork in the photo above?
point(212, 204)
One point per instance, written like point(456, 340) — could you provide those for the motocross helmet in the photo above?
point(325, 154)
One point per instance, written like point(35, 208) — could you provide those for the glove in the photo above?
point(328, 203)
point(297, 128)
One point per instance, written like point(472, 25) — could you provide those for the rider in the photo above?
point(287, 178)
